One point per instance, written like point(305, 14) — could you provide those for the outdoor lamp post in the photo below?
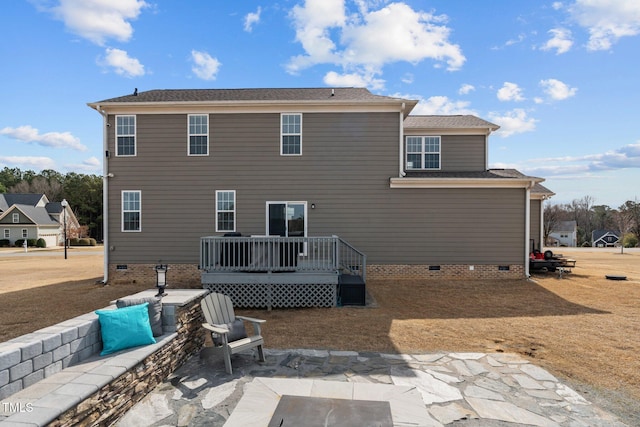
point(161, 278)
point(64, 204)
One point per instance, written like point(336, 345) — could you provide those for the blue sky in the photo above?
point(560, 77)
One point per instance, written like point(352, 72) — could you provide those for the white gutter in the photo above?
point(105, 194)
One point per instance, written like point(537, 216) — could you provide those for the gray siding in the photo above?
point(344, 170)
point(463, 153)
point(534, 226)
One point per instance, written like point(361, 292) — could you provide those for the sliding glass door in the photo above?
point(287, 219)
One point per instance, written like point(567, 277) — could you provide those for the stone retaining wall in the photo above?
point(32, 367)
point(112, 401)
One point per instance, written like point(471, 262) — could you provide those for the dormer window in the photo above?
point(423, 152)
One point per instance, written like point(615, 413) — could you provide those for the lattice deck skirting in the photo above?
point(274, 295)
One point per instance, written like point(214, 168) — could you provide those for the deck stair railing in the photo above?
point(280, 254)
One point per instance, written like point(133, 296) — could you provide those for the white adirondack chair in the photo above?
point(218, 312)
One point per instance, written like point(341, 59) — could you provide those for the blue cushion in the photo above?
point(124, 328)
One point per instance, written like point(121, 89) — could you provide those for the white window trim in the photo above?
point(423, 152)
point(189, 135)
point(15, 218)
point(25, 233)
point(282, 134)
point(135, 136)
point(122, 211)
point(218, 230)
point(7, 233)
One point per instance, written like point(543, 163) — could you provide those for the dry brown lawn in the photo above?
point(583, 328)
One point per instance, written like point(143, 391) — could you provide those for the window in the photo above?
point(225, 210)
point(7, 233)
point(198, 134)
point(125, 135)
point(423, 152)
point(291, 134)
point(25, 233)
point(16, 218)
point(287, 219)
point(131, 211)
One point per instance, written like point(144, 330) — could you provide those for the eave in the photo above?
point(404, 106)
point(463, 182)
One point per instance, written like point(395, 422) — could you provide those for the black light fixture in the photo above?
point(65, 204)
point(161, 278)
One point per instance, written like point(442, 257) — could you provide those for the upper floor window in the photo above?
point(290, 134)
point(15, 218)
point(198, 134)
point(423, 152)
point(225, 210)
point(131, 211)
point(125, 135)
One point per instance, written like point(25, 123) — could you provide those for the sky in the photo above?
point(561, 78)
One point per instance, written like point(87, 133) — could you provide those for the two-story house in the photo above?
point(405, 196)
point(32, 217)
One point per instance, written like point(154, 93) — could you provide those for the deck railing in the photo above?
point(279, 254)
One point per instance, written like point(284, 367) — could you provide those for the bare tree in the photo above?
point(553, 215)
point(624, 223)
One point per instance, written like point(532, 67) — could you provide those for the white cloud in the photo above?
point(561, 41)
point(91, 164)
point(353, 80)
point(122, 63)
point(557, 5)
point(466, 89)
point(205, 66)
point(251, 19)
point(30, 134)
point(99, 20)
point(35, 162)
point(510, 92)
point(513, 122)
point(607, 20)
point(368, 40)
point(436, 105)
point(626, 157)
point(557, 90)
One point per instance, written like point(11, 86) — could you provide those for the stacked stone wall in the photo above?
point(112, 401)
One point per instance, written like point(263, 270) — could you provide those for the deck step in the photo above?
point(351, 290)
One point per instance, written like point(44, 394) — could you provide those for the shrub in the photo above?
point(630, 240)
point(5, 243)
point(31, 242)
point(92, 242)
point(18, 243)
point(41, 243)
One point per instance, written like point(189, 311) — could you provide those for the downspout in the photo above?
point(105, 193)
point(542, 223)
point(401, 172)
point(527, 227)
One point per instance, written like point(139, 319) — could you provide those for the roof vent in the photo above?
point(333, 92)
point(135, 92)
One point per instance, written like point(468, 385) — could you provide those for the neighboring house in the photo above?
point(32, 216)
point(564, 234)
point(412, 193)
point(604, 238)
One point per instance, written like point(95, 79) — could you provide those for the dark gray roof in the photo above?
point(448, 122)
point(491, 173)
point(247, 95)
point(599, 234)
point(20, 199)
point(38, 215)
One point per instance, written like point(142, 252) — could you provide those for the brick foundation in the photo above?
point(479, 272)
point(183, 276)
